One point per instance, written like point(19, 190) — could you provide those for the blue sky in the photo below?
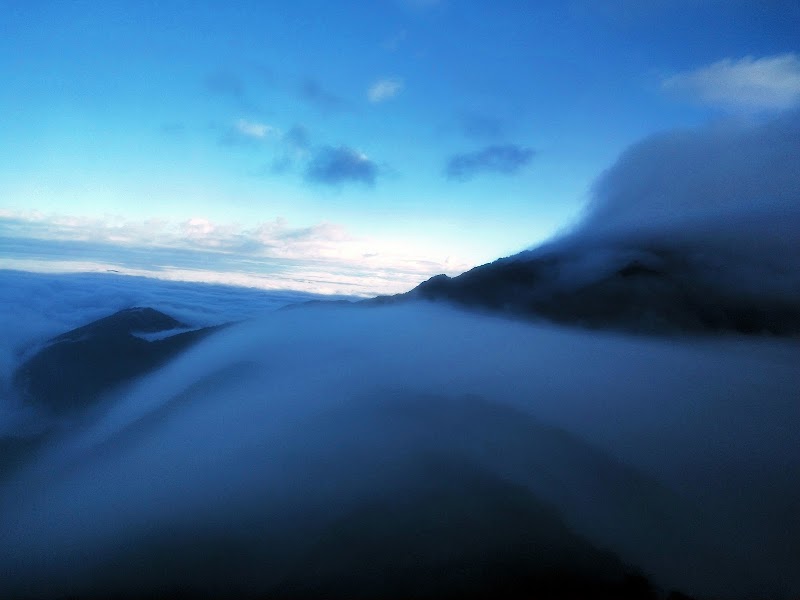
point(348, 147)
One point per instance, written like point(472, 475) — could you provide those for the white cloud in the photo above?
point(321, 258)
point(253, 129)
point(244, 132)
point(768, 83)
point(384, 89)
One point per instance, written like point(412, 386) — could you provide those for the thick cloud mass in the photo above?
point(678, 457)
point(265, 459)
point(713, 173)
point(723, 200)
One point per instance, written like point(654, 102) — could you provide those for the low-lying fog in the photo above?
point(680, 456)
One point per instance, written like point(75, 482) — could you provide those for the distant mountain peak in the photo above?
point(75, 368)
point(127, 321)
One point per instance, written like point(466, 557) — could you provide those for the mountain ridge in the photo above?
point(75, 368)
point(632, 287)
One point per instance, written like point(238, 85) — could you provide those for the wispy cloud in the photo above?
point(244, 131)
point(385, 89)
point(505, 159)
point(312, 92)
point(336, 165)
point(768, 83)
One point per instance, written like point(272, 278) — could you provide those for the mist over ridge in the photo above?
point(693, 230)
point(295, 413)
point(310, 452)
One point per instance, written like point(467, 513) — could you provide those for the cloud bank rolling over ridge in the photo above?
point(297, 384)
point(621, 399)
point(725, 197)
point(678, 455)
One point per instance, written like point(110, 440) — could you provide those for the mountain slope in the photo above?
point(75, 368)
point(625, 284)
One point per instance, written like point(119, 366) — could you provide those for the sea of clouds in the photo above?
point(678, 454)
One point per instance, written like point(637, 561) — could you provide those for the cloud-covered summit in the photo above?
point(711, 172)
point(689, 230)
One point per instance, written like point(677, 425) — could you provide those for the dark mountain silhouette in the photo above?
point(75, 368)
point(634, 287)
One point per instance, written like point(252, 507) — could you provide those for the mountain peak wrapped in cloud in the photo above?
point(694, 230)
point(73, 369)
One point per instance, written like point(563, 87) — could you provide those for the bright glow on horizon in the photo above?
point(444, 152)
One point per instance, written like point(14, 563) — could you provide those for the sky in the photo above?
point(349, 147)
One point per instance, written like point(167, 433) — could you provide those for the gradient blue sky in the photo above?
point(343, 146)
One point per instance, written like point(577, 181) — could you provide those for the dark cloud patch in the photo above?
point(312, 92)
point(505, 159)
point(482, 127)
point(336, 165)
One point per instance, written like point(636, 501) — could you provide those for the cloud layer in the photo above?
point(39, 306)
point(321, 258)
point(268, 433)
